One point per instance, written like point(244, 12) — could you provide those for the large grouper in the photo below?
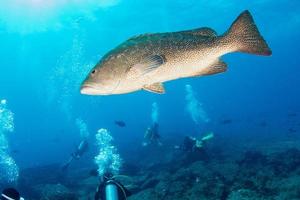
point(147, 61)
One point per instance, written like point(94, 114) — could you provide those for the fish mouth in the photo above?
point(92, 90)
point(88, 90)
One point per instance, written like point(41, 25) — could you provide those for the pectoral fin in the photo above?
point(147, 65)
point(217, 67)
point(156, 88)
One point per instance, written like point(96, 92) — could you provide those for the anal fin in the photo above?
point(155, 88)
point(217, 67)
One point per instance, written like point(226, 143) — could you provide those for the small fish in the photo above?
point(292, 130)
point(263, 124)
point(147, 61)
point(93, 172)
point(226, 121)
point(120, 123)
point(292, 114)
point(15, 151)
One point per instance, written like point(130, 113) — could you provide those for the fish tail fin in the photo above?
point(245, 36)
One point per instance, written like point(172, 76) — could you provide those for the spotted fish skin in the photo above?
point(146, 61)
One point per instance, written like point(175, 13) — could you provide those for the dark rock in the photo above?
point(253, 158)
point(286, 162)
point(56, 191)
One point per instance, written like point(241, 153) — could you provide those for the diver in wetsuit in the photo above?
point(10, 194)
point(152, 135)
point(189, 144)
point(81, 149)
point(192, 144)
point(111, 189)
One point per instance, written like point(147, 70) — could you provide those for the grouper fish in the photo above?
point(147, 61)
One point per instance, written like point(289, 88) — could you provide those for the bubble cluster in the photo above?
point(9, 171)
point(84, 132)
point(6, 118)
point(108, 160)
point(194, 107)
point(67, 75)
point(154, 113)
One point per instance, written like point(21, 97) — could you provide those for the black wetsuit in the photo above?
point(81, 149)
point(189, 144)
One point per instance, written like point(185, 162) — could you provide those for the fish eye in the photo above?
point(94, 71)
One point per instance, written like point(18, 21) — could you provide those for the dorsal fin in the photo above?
point(204, 31)
point(137, 37)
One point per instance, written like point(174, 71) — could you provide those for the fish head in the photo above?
point(103, 79)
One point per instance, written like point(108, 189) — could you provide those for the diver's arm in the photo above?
point(67, 164)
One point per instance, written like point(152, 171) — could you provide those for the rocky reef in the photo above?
point(252, 175)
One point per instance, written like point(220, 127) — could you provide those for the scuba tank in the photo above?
point(111, 191)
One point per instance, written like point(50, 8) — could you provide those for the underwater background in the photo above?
point(49, 46)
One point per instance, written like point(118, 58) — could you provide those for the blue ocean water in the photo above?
point(49, 46)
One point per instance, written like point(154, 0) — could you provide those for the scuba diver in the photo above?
point(10, 194)
point(81, 149)
point(192, 144)
point(111, 189)
point(152, 135)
